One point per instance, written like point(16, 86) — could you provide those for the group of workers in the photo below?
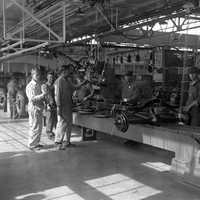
point(57, 97)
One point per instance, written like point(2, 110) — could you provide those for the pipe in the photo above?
point(4, 20)
point(64, 23)
point(35, 40)
point(23, 51)
point(11, 46)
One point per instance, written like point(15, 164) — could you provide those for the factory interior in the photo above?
point(99, 100)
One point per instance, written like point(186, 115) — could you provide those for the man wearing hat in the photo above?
point(193, 102)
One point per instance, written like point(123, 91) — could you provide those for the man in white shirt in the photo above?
point(35, 109)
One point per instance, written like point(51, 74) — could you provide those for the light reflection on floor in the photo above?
point(158, 166)
point(116, 187)
point(119, 187)
point(58, 193)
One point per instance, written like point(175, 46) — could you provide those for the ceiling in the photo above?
point(37, 21)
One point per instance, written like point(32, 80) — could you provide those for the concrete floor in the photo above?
point(102, 170)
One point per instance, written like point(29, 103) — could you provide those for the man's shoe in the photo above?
point(31, 148)
point(58, 145)
point(50, 135)
point(39, 146)
point(36, 147)
point(62, 147)
point(69, 144)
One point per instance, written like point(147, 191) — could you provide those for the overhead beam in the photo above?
point(37, 20)
point(69, 13)
point(135, 25)
point(18, 53)
point(64, 23)
point(4, 19)
point(11, 46)
point(35, 40)
point(42, 16)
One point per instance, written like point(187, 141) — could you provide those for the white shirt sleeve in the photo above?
point(30, 91)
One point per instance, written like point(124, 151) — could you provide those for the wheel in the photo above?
point(121, 122)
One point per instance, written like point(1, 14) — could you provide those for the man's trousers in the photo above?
point(51, 120)
point(63, 130)
point(35, 123)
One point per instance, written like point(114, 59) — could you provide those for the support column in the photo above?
point(2, 67)
point(187, 160)
point(9, 69)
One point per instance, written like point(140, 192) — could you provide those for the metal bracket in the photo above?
point(179, 25)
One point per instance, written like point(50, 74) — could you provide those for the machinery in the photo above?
point(154, 111)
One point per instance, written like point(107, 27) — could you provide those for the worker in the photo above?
point(51, 115)
point(12, 91)
point(118, 84)
point(130, 93)
point(107, 82)
point(21, 99)
point(193, 102)
point(36, 98)
point(64, 89)
point(86, 91)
